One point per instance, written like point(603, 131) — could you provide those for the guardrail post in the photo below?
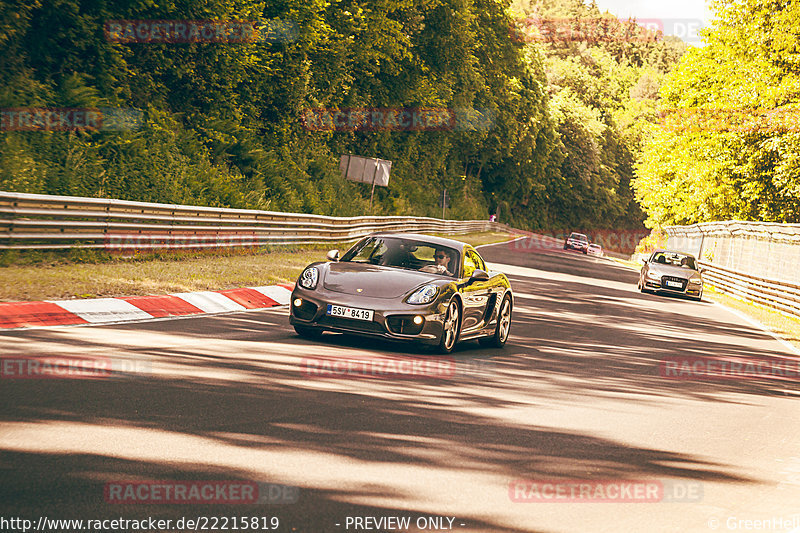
point(12, 217)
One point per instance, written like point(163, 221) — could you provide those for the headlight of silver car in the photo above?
point(423, 295)
point(653, 275)
point(309, 277)
point(696, 281)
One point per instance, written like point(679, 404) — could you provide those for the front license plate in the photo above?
point(676, 284)
point(349, 312)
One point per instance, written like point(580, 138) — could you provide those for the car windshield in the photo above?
point(405, 253)
point(579, 237)
point(674, 259)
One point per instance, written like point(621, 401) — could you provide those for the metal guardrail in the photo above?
point(35, 221)
point(758, 261)
point(782, 296)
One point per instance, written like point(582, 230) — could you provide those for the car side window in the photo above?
point(469, 264)
point(477, 260)
point(472, 261)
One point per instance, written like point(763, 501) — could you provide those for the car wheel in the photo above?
point(308, 333)
point(498, 340)
point(451, 327)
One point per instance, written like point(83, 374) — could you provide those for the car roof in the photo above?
point(673, 252)
point(443, 241)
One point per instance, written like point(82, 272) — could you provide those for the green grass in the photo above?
point(479, 239)
point(783, 325)
point(633, 265)
point(87, 274)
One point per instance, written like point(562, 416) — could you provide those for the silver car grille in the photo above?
point(682, 281)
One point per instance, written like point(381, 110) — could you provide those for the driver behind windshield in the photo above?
point(440, 265)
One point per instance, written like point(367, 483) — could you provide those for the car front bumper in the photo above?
point(576, 246)
point(392, 319)
point(693, 290)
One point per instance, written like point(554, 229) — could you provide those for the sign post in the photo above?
point(444, 201)
point(372, 193)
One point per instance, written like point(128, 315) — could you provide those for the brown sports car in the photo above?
point(405, 287)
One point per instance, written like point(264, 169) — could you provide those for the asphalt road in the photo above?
point(576, 396)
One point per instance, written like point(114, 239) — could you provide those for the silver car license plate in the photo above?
point(676, 284)
point(349, 312)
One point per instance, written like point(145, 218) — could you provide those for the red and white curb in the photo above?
point(132, 308)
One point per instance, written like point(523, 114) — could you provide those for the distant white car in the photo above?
point(594, 249)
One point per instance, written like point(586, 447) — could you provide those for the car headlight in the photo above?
point(308, 279)
point(653, 275)
point(423, 295)
point(696, 281)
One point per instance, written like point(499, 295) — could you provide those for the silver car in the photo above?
point(671, 272)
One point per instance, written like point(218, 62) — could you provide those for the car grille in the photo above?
point(348, 323)
point(665, 279)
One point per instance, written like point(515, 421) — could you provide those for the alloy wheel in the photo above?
point(505, 321)
point(451, 325)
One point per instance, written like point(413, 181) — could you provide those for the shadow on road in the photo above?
point(239, 389)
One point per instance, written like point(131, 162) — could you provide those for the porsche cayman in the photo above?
point(405, 287)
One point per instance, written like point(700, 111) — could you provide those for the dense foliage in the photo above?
point(602, 80)
point(222, 122)
point(728, 146)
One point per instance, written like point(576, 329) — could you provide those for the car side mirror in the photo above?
point(333, 255)
point(478, 275)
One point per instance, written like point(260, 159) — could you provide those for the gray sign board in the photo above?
point(365, 169)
